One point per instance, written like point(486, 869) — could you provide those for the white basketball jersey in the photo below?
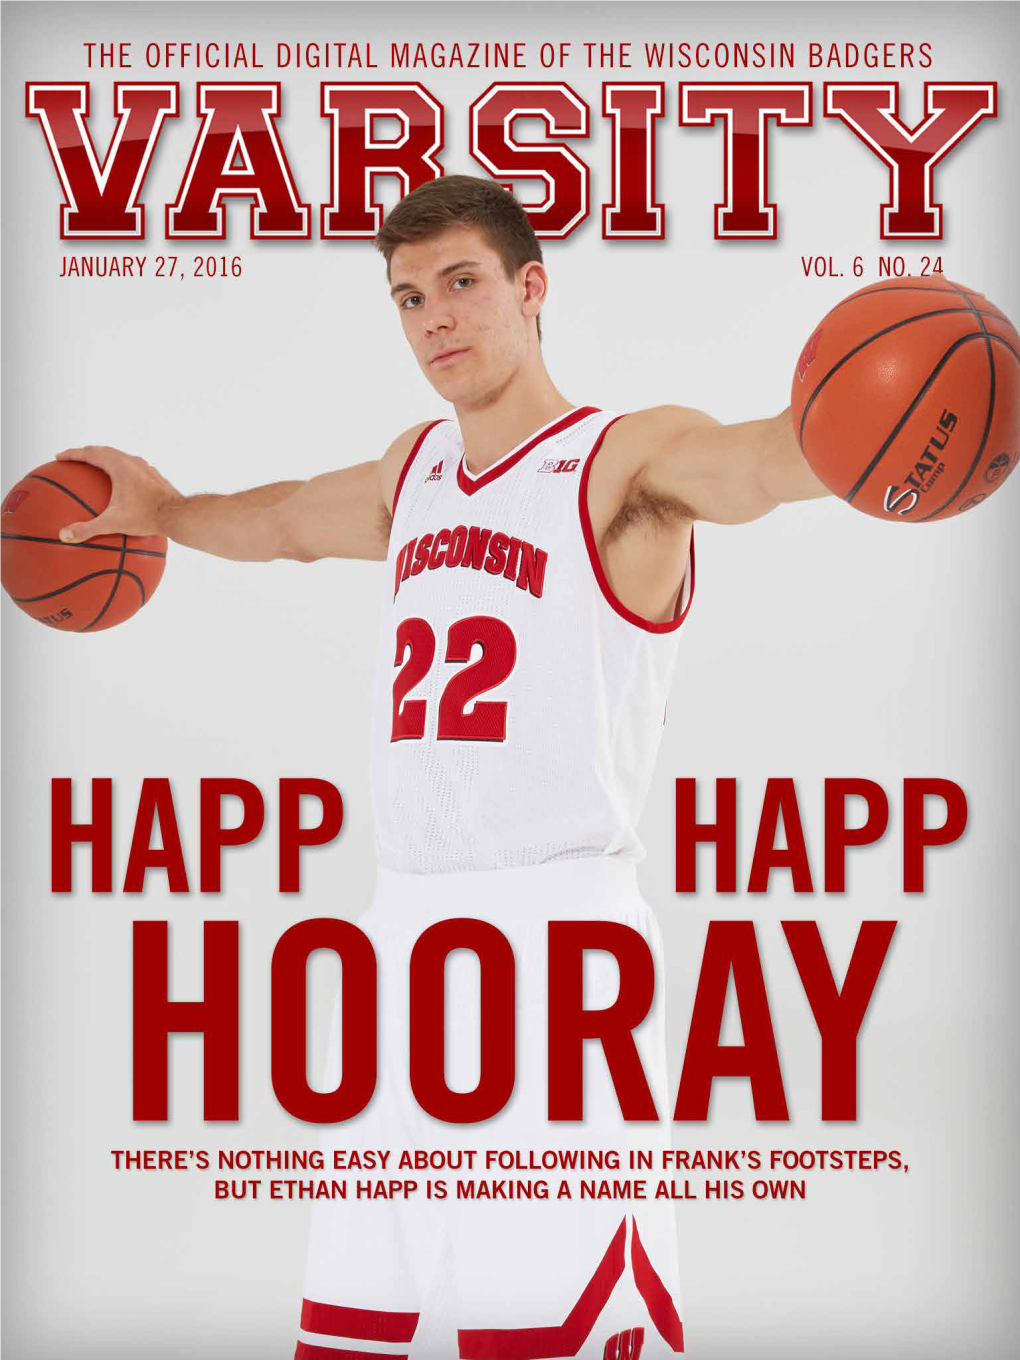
point(518, 704)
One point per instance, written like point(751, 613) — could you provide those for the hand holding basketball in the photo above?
point(906, 399)
point(110, 564)
point(139, 494)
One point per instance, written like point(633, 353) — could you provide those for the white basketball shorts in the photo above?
point(513, 1275)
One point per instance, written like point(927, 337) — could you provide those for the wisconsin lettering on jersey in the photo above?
point(481, 549)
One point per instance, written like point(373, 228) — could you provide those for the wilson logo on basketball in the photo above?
point(901, 499)
point(560, 465)
point(14, 499)
point(808, 354)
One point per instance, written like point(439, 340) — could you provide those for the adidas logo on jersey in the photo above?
point(436, 475)
point(560, 465)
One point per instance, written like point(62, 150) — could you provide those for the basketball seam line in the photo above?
point(49, 594)
point(988, 422)
point(907, 321)
point(910, 288)
point(95, 547)
point(67, 492)
point(1001, 340)
point(113, 588)
point(972, 335)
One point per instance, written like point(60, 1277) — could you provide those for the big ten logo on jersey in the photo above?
point(625, 1345)
point(560, 465)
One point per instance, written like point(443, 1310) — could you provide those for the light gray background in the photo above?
point(820, 643)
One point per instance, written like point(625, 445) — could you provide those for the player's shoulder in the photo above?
point(633, 439)
point(631, 446)
point(400, 449)
point(393, 461)
point(640, 431)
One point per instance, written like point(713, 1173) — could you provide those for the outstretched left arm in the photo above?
point(666, 467)
point(727, 474)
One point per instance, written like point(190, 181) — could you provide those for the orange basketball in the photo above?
point(906, 399)
point(78, 587)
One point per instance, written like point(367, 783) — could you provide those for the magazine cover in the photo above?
point(509, 646)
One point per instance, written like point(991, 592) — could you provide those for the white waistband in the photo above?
point(571, 889)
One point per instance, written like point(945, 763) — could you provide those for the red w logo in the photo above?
point(14, 499)
point(808, 354)
point(625, 1345)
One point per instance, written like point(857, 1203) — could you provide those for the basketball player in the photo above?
point(540, 564)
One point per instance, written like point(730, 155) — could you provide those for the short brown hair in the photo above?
point(463, 201)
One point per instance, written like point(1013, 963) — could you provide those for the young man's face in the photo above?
point(467, 323)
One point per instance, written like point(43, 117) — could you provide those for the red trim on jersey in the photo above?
point(469, 484)
point(363, 1324)
point(541, 1343)
point(409, 460)
point(306, 1352)
point(649, 625)
point(661, 1308)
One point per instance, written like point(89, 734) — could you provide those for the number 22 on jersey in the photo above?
point(417, 642)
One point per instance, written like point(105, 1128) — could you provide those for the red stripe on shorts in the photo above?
point(660, 1306)
point(363, 1324)
point(543, 1343)
point(306, 1352)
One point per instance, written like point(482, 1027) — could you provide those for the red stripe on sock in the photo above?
point(363, 1324)
point(661, 1308)
point(306, 1352)
point(543, 1343)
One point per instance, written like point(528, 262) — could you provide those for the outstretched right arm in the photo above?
point(338, 514)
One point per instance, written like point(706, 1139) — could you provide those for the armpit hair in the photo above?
point(643, 507)
point(385, 524)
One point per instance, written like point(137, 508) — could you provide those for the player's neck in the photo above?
point(507, 418)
